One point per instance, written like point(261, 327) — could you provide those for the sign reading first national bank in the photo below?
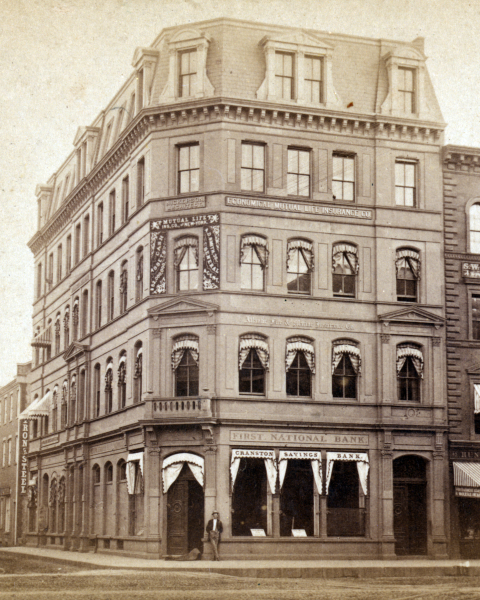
point(298, 207)
point(23, 471)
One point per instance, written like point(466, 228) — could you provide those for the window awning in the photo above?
point(353, 352)
point(179, 347)
point(295, 345)
point(173, 465)
point(414, 353)
point(466, 479)
point(133, 478)
point(260, 245)
point(259, 344)
point(39, 408)
point(268, 458)
point(361, 458)
point(43, 339)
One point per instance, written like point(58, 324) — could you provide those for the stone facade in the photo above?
point(240, 304)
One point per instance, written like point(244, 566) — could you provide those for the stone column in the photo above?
point(152, 491)
point(210, 490)
point(439, 487)
point(386, 497)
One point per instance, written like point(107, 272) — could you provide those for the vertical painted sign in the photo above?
point(22, 484)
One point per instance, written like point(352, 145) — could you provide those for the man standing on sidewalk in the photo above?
point(214, 529)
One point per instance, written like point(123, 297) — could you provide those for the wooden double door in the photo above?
point(185, 514)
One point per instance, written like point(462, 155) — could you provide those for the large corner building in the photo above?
point(240, 305)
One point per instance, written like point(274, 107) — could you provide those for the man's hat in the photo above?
point(215, 512)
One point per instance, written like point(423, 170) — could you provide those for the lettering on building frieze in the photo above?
point(299, 323)
point(313, 209)
point(185, 203)
point(325, 439)
point(465, 454)
point(184, 222)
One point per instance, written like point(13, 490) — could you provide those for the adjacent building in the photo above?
point(240, 305)
point(14, 398)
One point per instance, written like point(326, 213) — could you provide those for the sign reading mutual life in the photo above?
point(23, 471)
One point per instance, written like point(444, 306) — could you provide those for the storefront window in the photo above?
point(296, 499)
point(249, 498)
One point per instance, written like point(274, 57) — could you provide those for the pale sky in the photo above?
point(61, 61)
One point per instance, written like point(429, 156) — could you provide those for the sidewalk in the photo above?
point(267, 568)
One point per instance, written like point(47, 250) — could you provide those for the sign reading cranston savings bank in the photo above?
point(314, 209)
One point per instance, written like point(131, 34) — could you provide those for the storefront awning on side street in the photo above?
point(38, 408)
point(466, 478)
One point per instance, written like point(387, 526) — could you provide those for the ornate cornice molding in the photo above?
point(231, 110)
point(462, 158)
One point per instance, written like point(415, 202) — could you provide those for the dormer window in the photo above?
point(284, 75)
point(187, 73)
point(406, 89)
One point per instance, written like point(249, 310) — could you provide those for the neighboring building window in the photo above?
point(474, 214)
point(100, 224)
point(109, 473)
point(68, 265)
point(59, 262)
point(112, 203)
point(185, 360)
point(78, 242)
point(55, 409)
point(345, 269)
point(140, 182)
point(122, 380)
point(188, 169)
point(63, 407)
point(253, 262)
point(98, 304)
point(124, 287)
point(313, 88)
point(405, 183)
point(108, 387)
point(409, 372)
point(11, 407)
point(66, 328)
point(96, 475)
point(39, 280)
point(111, 295)
point(81, 396)
point(187, 73)
point(84, 320)
point(75, 318)
point(299, 266)
point(253, 363)
point(343, 178)
point(139, 276)
point(86, 235)
point(476, 407)
point(298, 172)
point(122, 470)
point(407, 266)
point(125, 199)
point(253, 167)
point(58, 326)
point(73, 401)
point(406, 89)
point(186, 263)
point(50, 272)
point(96, 390)
point(346, 366)
point(9, 451)
point(284, 88)
point(476, 317)
point(138, 374)
point(300, 365)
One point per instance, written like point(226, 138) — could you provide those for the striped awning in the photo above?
point(466, 474)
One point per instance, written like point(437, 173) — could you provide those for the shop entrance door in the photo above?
point(410, 506)
point(185, 514)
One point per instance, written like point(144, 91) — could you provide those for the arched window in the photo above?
point(139, 275)
point(75, 317)
point(253, 363)
point(66, 328)
point(84, 322)
point(185, 358)
point(108, 472)
point(96, 390)
point(73, 400)
point(124, 287)
point(345, 269)
point(138, 373)
point(474, 215)
point(57, 334)
point(63, 408)
point(300, 365)
point(98, 304)
point(122, 380)
point(96, 475)
point(55, 409)
point(253, 262)
point(108, 387)
point(407, 265)
point(299, 266)
point(122, 470)
point(346, 366)
point(111, 295)
point(186, 263)
point(48, 348)
point(81, 397)
point(409, 372)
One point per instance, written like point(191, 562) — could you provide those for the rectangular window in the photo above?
point(140, 182)
point(476, 317)
point(343, 179)
point(86, 235)
point(125, 194)
point(253, 167)
point(99, 304)
point(187, 73)
point(405, 183)
point(84, 319)
point(59, 262)
point(188, 169)
point(313, 79)
point(111, 295)
point(9, 451)
point(284, 76)
point(112, 212)
point(78, 242)
point(298, 172)
point(68, 265)
point(50, 271)
point(11, 408)
point(406, 89)
point(100, 224)
point(39, 280)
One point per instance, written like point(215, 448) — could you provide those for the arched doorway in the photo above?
point(185, 503)
point(410, 505)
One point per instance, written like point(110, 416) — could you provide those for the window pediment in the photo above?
point(298, 42)
point(416, 316)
